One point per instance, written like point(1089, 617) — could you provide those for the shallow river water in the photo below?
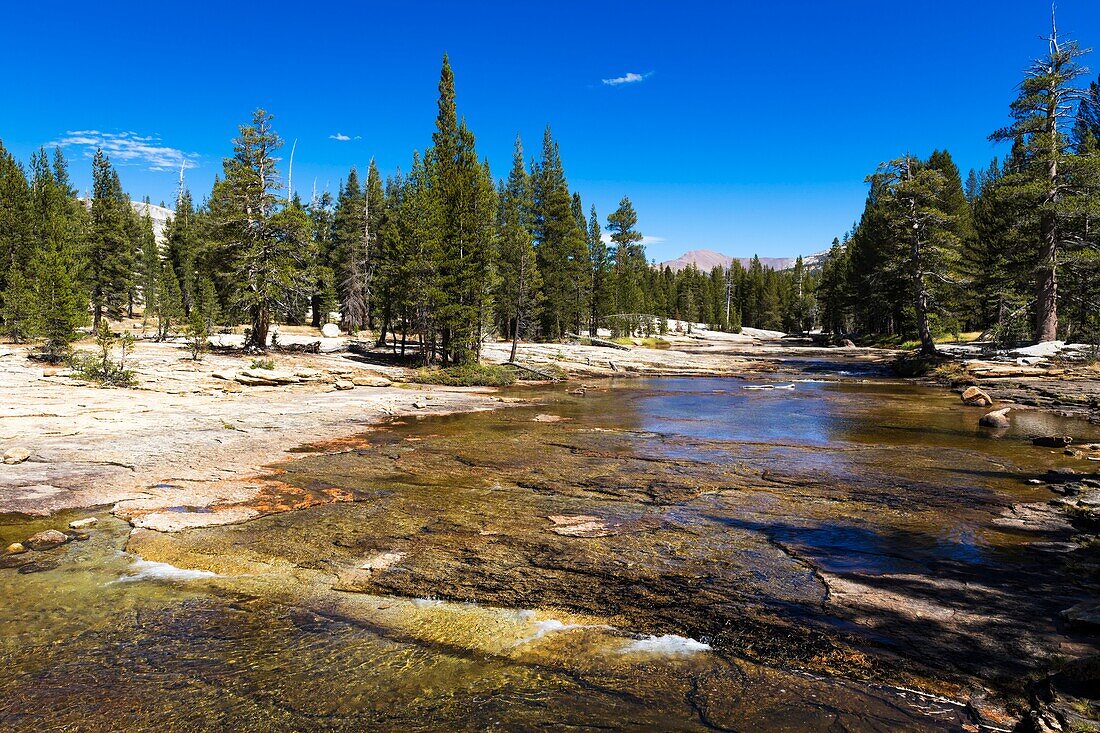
point(665, 554)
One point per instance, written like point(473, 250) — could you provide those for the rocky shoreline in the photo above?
point(200, 445)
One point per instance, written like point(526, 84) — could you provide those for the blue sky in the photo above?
point(745, 127)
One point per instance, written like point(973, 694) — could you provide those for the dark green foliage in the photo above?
point(270, 250)
point(516, 260)
point(561, 246)
point(110, 261)
point(61, 303)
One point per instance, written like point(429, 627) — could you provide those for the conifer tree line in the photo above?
point(1012, 251)
point(434, 259)
point(431, 260)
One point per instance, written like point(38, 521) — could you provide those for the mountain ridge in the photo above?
point(707, 259)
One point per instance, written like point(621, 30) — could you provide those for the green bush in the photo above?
point(467, 375)
point(101, 367)
point(263, 363)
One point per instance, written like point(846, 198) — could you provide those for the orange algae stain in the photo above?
point(275, 497)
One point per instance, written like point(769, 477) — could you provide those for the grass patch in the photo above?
point(467, 375)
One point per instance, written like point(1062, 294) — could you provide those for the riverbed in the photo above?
point(832, 550)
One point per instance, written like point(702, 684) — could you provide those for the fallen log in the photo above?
point(599, 342)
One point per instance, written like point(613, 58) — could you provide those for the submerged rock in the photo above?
point(15, 548)
point(83, 523)
point(995, 419)
point(382, 560)
point(580, 525)
point(1052, 441)
point(39, 565)
point(15, 561)
point(47, 540)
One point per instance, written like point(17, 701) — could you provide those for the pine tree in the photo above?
point(560, 245)
point(1086, 126)
point(110, 254)
point(323, 300)
point(1041, 114)
point(16, 241)
point(60, 302)
point(832, 290)
point(18, 308)
point(348, 265)
point(462, 192)
point(169, 301)
point(603, 282)
point(183, 248)
point(268, 250)
point(914, 197)
point(148, 266)
point(516, 260)
point(630, 262)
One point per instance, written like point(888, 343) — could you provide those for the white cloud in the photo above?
point(646, 240)
point(129, 148)
point(629, 78)
point(339, 136)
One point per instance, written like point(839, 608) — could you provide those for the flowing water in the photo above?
point(666, 554)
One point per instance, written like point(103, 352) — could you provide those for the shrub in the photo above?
point(467, 375)
point(263, 363)
point(197, 335)
point(101, 367)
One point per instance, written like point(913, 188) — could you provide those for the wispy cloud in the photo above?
point(646, 240)
point(629, 78)
point(341, 137)
point(129, 148)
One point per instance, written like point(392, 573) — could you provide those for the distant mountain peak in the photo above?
point(707, 259)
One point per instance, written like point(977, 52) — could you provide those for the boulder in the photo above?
point(15, 548)
point(1083, 615)
point(46, 540)
point(16, 455)
point(1061, 476)
point(343, 384)
point(83, 523)
point(995, 419)
point(847, 344)
point(1052, 441)
point(370, 380)
point(975, 396)
point(330, 330)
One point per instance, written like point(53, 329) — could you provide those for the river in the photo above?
point(664, 554)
